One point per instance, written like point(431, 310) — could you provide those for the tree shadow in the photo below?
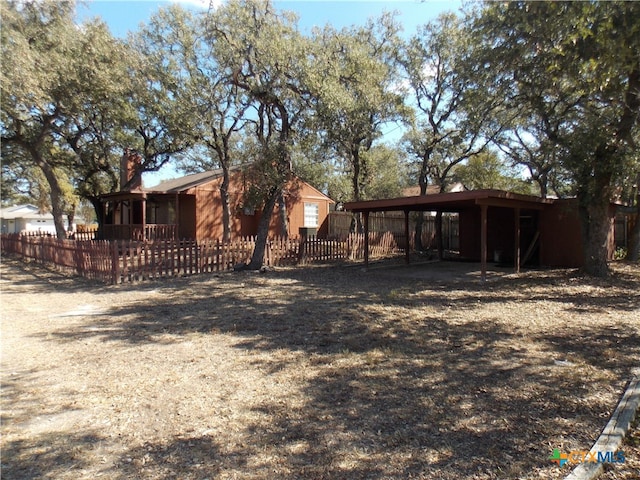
point(183, 458)
point(390, 397)
point(50, 455)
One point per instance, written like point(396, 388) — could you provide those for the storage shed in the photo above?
point(500, 226)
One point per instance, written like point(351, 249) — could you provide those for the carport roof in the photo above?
point(451, 202)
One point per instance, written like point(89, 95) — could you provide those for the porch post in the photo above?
point(407, 257)
point(144, 218)
point(177, 237)
point(366, 239)
point(516, 248)
point(483, 243)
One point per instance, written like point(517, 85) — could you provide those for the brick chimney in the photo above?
point(130, 175)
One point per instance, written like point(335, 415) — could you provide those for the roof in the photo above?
point(450, 202)
point(24, 211)
point(414, 190)
point(181, 184)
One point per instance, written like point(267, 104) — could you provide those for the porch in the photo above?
point(145, 216)
point(140, 232)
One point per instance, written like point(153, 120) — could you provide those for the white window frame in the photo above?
point(311, 214)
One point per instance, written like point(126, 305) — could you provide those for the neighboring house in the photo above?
point(26, 218)
point(414, 190)
point(191, 207)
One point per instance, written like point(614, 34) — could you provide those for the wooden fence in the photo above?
point(130, 261)
point(339, 225)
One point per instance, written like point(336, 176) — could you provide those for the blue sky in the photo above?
point(126, 15)
point(123, 16)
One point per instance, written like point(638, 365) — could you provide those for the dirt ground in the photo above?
point(314, 373)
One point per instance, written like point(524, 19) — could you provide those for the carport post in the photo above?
point(483, 242)
point(366, 239)
point(407, 258)
point(516, 253)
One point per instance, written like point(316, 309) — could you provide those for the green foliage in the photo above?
point(572, 69)
point(620, 253)
point(487, 171)
point(60, 86)
point(352, 85)
point(453, 120)
point(386, 173)
point(161, 96)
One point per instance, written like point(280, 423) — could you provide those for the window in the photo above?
point(310, 214)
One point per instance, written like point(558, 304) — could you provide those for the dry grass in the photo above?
point(325, 372)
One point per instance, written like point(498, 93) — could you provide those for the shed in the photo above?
point(499, 225)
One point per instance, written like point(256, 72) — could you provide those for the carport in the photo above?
point(477, 208)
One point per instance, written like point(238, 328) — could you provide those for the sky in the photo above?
point(123, 16)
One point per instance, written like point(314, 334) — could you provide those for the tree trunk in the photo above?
point(439, 242)
point(282, 212)
point(71, 216)
point(226, 208)
point(55, 191)
point(633, 252)
point(422, 181)
point(257, 259)
point(596, 226)
point(98, 208)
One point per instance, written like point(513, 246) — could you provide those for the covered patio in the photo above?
point(490, 220)
point(145, 216)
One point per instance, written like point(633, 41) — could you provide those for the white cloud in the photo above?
point(199, 3)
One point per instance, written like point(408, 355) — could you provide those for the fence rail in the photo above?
point(120, 261)
point(340, 224)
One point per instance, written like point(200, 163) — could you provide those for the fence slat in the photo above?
point(119, 261)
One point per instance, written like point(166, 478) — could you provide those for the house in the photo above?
point(414, 190)
point(191, 207)
point(26, 218)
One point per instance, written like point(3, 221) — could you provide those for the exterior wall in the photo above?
point(187, 216)
point(559, 244)
point(17, 225)
point(25, 218)
point(198, 210)
point(470, 234)
point(208, 214)
point(560, 235)
point(208, 211)
point(300, 193)
point(500, 234)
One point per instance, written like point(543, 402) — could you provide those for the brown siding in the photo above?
point(470, 234)
point(500, 233)
point(299, 193)
point(187, 216)
point(208, 211)
point(208, 205)
point(560, 237)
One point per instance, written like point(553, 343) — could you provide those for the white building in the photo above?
point(26, 218)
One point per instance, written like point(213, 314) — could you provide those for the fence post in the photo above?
point(115, 261)
point(42, 250)
point(217, 267)
point(302, 249)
